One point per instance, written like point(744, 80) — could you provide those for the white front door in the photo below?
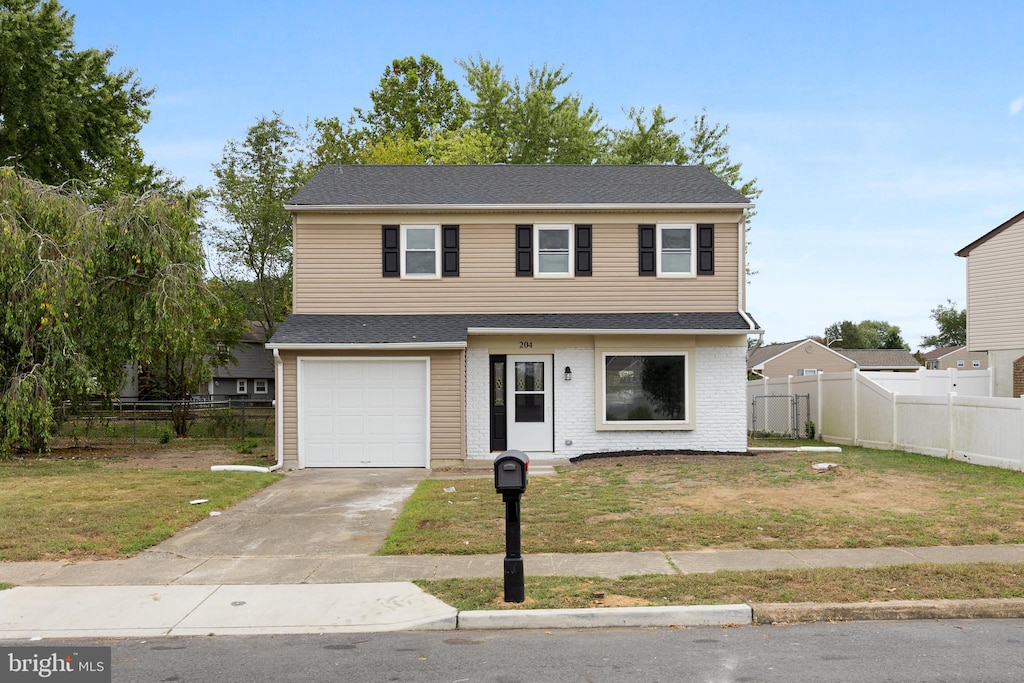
point(531, 410)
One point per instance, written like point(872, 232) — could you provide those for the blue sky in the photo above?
point(885, 136)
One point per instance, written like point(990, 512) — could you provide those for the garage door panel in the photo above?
point(363, 413)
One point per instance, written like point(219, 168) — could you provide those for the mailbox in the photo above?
point(510, 472)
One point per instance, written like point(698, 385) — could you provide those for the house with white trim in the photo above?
point(444, 314)
point(809, 357)
point(995, 303)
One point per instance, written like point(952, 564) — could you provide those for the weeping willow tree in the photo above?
point(88, 287)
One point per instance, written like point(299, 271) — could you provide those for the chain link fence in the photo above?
point(135, 421)
point(781, 416)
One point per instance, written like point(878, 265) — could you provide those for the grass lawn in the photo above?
point(70, 509)
point(905, 582)
point(874, 498)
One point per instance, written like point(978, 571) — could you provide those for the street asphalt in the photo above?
point(295, 559)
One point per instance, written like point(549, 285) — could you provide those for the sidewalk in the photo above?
point(160, 594)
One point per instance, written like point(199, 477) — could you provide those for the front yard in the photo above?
point(777, 500)
point(113, 501)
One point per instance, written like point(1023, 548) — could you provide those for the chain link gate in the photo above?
point(780, 416)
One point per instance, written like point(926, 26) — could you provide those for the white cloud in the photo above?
point(1017, 106)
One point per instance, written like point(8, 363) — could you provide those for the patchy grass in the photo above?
point(840, 584)
point(775, 500)
point(5, 586)
point(64, 509)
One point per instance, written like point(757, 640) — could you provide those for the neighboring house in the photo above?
point(252, 378)
point(995, 303)
point(808, 357)
point(956, 357)
point(797, 358)
point(448, 313)
point(885, 360)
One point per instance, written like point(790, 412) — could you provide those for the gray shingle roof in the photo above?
point(514, 185)
point(880, 358)
point(446, 329)
point(764, 353)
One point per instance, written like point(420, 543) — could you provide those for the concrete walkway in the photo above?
point(149, 596)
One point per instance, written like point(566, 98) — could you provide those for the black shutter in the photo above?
point(705, 249)
point(584, 250)
point(450, 250)
point(524, 250)
point(648, 248)
point(390, 261)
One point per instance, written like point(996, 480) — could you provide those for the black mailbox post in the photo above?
point(510, 479)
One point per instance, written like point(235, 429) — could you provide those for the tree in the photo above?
point(708, 148)
point(88, 287)
point(254, 180)
point(867, 334)
point(646, 143)
point(63, 113)
point(414, 99)
point(952, 324)
point(527, 122)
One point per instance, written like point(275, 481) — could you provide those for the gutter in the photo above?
point(379, 346)
point(302, 208)
point(278, 410)
point(598, 331)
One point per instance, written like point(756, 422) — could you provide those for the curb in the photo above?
point(895, 610)
point(606, 617)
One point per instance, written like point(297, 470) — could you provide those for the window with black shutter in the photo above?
point(524, 250)
point(390, 259)
point(584, 250)
point(648, 250)
point(449, 251)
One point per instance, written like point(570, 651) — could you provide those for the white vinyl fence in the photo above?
point(941, 413)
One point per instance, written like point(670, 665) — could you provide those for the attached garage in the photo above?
point(363, 412)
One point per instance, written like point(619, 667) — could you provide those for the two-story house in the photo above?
point(443, 314)
point(995, 303)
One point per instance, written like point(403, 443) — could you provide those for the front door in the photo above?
point(531, 413)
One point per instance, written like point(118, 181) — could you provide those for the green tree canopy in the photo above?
point(867, 334)
point(64, 114)
point(255, 178)
point(414, 99)
point(646, 142)
point(88, 287)
point(952, 324)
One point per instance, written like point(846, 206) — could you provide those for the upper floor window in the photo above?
point(959, 363)
point(675, 251)
point(552, 250)
point(976, 364)
point(421, 251)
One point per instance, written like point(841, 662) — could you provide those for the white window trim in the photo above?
point(646, 425)
point(975, 363)
point(960, 363)
point(808, 372)
point(436, 275)
point(241, 386)
point(256, 386)
point(536, 250)
point(692, 227)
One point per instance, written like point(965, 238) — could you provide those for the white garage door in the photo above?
point(363, 413)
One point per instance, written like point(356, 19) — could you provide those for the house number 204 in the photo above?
point(526, 344)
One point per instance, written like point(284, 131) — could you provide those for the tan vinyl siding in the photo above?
point(995, 292)
point(337, 269)
point(797, 359)
point(447, 399)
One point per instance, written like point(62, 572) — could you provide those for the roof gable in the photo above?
point(881, 358)
point(390, 186)
point(966, 251)
point(764, 354)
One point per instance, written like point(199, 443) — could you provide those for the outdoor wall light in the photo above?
point(568, 374)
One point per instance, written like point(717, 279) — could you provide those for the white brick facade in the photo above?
point(719, 405)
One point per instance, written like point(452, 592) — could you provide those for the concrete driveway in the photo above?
point(312, 512)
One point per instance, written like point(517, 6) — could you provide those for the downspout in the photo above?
point(278, 410)
point(278, 422)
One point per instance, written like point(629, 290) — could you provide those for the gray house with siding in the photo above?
point(443, 314)
point(252, 378)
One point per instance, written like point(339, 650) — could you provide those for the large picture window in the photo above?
point(645, 388)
